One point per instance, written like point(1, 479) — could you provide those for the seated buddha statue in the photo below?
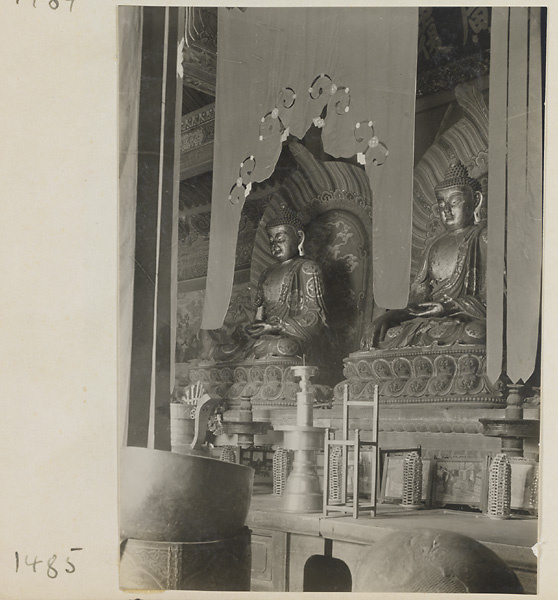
point(290, 318)
point(447, 301)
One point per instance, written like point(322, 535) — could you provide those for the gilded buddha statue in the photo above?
point(290, 319)
point(447, 301)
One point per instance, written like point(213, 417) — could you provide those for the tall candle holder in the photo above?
point(513, 429)
point(303, 492)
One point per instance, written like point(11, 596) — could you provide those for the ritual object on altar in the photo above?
point(412, 480)
point(303, 492)
point(189, 420)
point(181, 512)
point(282, 464)
point(172, 509)
point(499, 488)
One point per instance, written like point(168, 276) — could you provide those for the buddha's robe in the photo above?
point(289, 294)
point(452, 271)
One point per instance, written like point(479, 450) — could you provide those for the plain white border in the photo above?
point(58, 274)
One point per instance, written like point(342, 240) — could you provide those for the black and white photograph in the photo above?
point(331, 244)
point(278, 299)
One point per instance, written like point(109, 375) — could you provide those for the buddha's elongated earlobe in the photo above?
point(477, 212)
point(301, 243)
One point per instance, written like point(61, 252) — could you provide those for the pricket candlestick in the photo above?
point(303, 493)
point(513, 428)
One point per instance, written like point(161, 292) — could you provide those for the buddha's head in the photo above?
point(285, 234)
point(458, 196)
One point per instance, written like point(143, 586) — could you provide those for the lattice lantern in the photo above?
point(534, 494)
point(412, 480)
point(499, 488)
point(335, 474)
point(228, 454)
point(282, 460)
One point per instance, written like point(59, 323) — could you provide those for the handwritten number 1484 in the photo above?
point(54, 4)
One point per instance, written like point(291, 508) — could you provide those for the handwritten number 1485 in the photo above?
point(52, 571)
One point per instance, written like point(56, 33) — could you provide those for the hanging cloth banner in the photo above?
point(497, 189)
point(524, 244)
point(129, 75)
point(277, 69)
point(515, 193)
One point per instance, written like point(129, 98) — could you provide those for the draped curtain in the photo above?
point(129, 67)
point(514, 193)
point(150, 83)
point(277, 69)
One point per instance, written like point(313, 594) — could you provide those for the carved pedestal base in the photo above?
point(445, 376)
point(221, 565)
point(268, 383)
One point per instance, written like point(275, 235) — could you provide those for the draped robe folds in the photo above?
point(289, 295)
point(464, 292)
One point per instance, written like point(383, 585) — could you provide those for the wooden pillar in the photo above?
point(152, 359)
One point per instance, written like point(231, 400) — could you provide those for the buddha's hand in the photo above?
point(256, 330)
point(427, 309)
point(376, 331)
